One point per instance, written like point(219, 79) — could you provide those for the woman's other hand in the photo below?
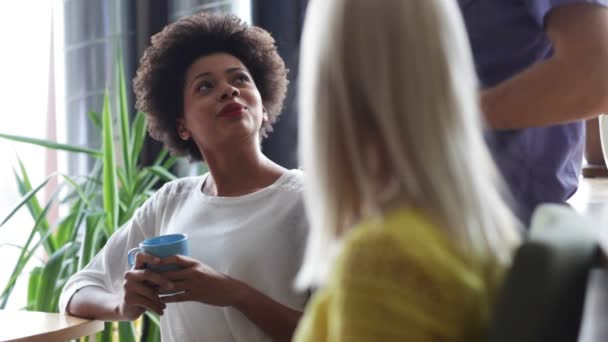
point(141, 288)
point(198, 282)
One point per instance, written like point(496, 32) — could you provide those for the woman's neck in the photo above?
point(239, 172)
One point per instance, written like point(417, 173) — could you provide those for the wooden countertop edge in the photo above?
point(67, 333)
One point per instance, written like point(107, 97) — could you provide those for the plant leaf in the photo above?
point(162, 173)
point(123, 117)
point(110, 188)
point(25, 199)
point(63, 233)
point(33, 205)
point(50, 275)
point(94, 118)
point(153, 317)
point(139, 135)
point(51, 144)
point(169, 162)
point(161, 157)
point(24, 256)
point(77, 188)
point(151, 327)
point(126, 331)
point(88, 248)
point(106, 334)
point(32, 288)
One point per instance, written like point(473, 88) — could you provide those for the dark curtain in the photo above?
point(150, 17)
point(284, 20)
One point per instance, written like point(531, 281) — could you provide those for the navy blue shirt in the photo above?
point(507, 36)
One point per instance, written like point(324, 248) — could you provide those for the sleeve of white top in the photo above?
point(107, 268)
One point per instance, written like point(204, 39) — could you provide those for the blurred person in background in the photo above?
point(543, 67)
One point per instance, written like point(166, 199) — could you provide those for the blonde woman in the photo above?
point(410, 233)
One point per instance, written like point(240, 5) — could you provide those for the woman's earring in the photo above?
point(183, 134)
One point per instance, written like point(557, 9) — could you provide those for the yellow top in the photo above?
point(400, 279)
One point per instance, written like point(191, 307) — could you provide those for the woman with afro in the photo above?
point(211, 87)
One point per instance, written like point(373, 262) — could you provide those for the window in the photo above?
point(25, 36)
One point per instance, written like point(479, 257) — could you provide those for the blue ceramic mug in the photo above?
point(161, 246)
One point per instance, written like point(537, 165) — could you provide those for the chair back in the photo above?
point(543, 294)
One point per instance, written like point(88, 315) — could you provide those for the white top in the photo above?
point(258, 238)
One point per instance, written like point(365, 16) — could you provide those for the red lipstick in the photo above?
point(232, 110)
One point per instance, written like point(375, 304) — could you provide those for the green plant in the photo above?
point(98, 204)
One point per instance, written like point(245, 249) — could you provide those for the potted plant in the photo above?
point(98, 203)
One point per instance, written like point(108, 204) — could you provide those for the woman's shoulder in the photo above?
point(406, 240)
point(405, 229)
point(181, 185)
point(291, 181)
point(167, 195)
point(396, 274)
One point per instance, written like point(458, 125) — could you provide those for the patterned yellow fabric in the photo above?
point(401, 281)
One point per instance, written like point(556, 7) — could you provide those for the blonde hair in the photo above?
point(389, 112)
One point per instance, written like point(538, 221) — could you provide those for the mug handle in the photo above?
point(132, 254)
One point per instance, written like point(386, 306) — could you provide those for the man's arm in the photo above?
point(571, 85)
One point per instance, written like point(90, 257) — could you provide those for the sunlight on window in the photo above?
point(242, 8)
point(24, 65)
